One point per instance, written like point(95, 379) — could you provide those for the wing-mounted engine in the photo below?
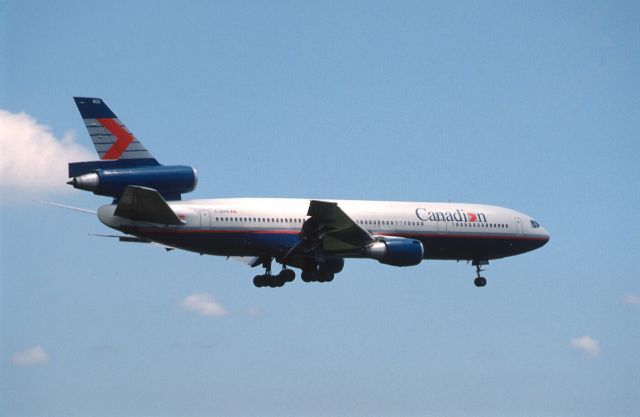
point(396, 251)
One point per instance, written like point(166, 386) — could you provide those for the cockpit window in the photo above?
point(535, 224)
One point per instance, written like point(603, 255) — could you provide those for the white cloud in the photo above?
point(204, 304)
point(632, 299)
point(588, 345)
point(29, 357)
point(32, 158)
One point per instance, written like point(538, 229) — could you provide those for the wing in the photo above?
point(332, 230)
point(146, 204)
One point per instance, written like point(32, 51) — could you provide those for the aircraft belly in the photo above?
point(458, 248)
point(235, 243)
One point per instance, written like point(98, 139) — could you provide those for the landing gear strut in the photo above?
point(480, 281)
point(273, 281)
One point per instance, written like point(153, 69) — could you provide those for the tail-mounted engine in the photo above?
point(111, 180)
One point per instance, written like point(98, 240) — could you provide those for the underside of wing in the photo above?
point(332, 230)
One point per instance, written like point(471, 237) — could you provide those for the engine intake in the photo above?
point(169, 181)
point(396, 252)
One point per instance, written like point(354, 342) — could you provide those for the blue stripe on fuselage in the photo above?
point(258, 242)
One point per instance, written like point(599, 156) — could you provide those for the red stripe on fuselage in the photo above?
point(220, 231)
point(463, 236)
point(124, 138)
point(294, 232)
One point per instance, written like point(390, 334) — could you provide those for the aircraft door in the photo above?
point(205, 218)
point(518, 225)
point(442, 227)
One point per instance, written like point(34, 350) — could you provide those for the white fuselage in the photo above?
point(448, 230)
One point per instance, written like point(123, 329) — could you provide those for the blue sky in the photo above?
point(533, 106)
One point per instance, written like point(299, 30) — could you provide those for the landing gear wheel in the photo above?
point(307, 276)
point(325, 277)
point(259, 281)
point(275, 282)
point(287, 275)
point(480, 282)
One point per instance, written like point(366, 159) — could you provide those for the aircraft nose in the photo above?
point(545, 235)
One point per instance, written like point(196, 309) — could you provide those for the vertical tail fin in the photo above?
point(124, 161)
point(109, 135)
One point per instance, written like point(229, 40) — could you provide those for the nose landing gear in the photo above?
point(480, 281)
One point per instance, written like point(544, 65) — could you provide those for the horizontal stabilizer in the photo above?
point(64, 206)
point(127, 238)
point(145, 204)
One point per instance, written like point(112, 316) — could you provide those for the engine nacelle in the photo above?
point(170, 181)
point(396, 252)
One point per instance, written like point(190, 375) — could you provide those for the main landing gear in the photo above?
point(479, 281)
point(323, 271)
point(273, 281)
point(316, 275)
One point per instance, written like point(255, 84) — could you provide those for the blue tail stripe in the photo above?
point(93, 108)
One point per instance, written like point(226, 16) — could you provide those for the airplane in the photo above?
point(315, 236)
